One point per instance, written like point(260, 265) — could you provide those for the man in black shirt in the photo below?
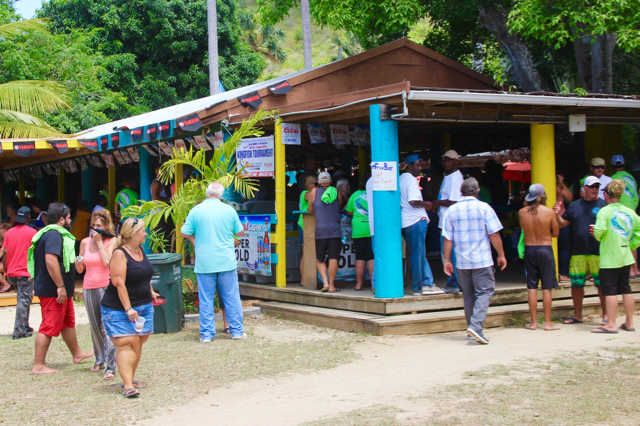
point(54, 283)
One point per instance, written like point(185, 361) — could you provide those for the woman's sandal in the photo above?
point(131, 393)
point(110, 373)
point(136, 385)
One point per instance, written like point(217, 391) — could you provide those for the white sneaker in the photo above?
point(244, 336)
point(417, 293)
point(205, 340)
point(430, 290)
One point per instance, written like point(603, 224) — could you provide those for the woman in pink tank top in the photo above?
point(96, 251)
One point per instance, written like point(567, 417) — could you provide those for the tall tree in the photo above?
point(306, 33)
point(212, 26)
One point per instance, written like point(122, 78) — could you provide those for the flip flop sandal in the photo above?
point(603, 330)
point(131, 393)
point(324, 289)
point(625, 328)
point(572, 320)
point(226, 330)
point(135, 385)
point(107, 372)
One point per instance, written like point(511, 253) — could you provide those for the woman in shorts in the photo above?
point(127, 298)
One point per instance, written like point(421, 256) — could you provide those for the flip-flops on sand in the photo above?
point(625, 328)
point(603, 330)
point(572, 320)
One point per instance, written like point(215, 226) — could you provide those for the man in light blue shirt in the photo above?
point(213, 228)
point(470, 224)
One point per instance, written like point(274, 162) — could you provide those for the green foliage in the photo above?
point(264, 39)
point(8, 12)
point(157, 241)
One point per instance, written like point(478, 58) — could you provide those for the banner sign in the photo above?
point(83, 163)
point(339, 134)
point(150, 150)
point(190, 123)
point(164, 129)
point(252, 100)
point(254, 252)
point(73, 166)
point(91, 144)
point(24, 149)
point(166, 147)
point(218, 140)
point(115, 140)
point(56, 168)
point(384, 175)
point(65, 165)
point(96, 161)
point(256, 156)
point(60, 146)
point(291, 134)
point(316, 132)
point(360, 136)
point(108, 160)
point(119, 157)
point(180, 145)
point(104, 143)
point(134, 152)
point(152, 133)
point(136, 134)
point(8, 177)
point(199, 142)
point(280, 88)
point(48, 169)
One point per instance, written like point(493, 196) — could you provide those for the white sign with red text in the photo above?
point(291, 134)
point(339, 134)
point(256, 156)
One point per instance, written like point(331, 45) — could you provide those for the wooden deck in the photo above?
point(10, 298)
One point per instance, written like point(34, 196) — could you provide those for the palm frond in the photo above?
point(12, 129)
point(33, 96)
point(20, 117)
point(14, 28)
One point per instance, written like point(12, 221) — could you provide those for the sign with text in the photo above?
point(256, 156)
point(361, 135)
point(254, 252)
point(291, 134)
point(339, 134)
point(316, 132)
point(385, 175)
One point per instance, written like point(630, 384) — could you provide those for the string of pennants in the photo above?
point(339, 134)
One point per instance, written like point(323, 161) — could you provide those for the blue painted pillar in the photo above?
point(386, 207)
point(88, 188)
point(41, 184)
point(144, 167)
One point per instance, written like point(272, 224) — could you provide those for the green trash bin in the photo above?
point(167, 282)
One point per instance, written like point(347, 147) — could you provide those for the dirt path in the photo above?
point(391, 371)
point(8, 317)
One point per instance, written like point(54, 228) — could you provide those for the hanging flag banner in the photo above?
point(125, 156)
point(136, 134)
point(48, 169)
point(339, 134)
point(164, 129)
point(150, 150)
point(96, 161)
point(256, 156)
point(280, 88)
point(254, 252)
point(252, 100)
point(216, 139)
point(28, 172)
point(190, 123)
point(83, 163)
point(361, 136)
point(115, 140)
point(151, 134)
point(7, 177)
point(65, 165)
point(108, 160)
point(316, 133)
point(201, 142)
point(24, 149)
point(91, 144)
point(104, 143)
point(291, 134)
point(56, 168)
point(72, 165)
point(38, 171)
point(180, 145)
point(134, 152)
point(119, 157)
point(58, 145)
point(166, 148)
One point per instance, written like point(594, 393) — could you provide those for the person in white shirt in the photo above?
point(597, 167)
point(448, 196)
point(414, 228)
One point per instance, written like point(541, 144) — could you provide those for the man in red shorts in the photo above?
point(51, 263)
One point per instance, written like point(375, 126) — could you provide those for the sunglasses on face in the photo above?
point(595, 185)
point(598, 167)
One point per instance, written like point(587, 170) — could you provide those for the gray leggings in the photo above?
point(104, 350)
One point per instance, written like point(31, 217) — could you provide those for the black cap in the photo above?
point(24, 213)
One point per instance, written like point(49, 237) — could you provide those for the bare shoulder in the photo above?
point(118, 256)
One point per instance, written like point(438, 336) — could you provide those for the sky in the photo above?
point(27, 8)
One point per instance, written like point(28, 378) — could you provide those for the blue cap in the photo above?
point(617, 160)
point(412, 158)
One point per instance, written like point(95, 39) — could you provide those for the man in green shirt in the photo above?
point(358, 209)
point(628, 199)
point(125, 198)
point(618, 230)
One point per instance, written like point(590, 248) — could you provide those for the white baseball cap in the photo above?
point(591, 180)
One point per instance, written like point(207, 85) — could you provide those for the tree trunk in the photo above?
point(212, 26)
point(494, 18)
point(582, 50)
point(602, 63)
point(306, 33)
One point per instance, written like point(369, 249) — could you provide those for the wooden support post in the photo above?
point(281, 207)
point(61, 186)
point(21, 188)
point(310, 277)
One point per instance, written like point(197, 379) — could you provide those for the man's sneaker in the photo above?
point(478, 336)
point(236, 337)
point(205, 340)
point(417, 293)
point(430, 290)
point(451, 290)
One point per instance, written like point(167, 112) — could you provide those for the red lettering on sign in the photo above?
point(190, 121)
point(136, 132)
point(163, 127)
point(251, 99)
point(338, 132)
point(285, 84)
point(290, 130)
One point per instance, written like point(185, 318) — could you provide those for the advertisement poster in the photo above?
point(291, 134)
point(316, 133)
point(134, 152)
point(254, 252)
point(256, 156)
point(361, 135)
point(339, 134)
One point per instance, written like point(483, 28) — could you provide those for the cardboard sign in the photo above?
point(136, 134)
point(252, 100)
point(280, 88)
point(256, 156)
point(291, 134)
point(164, 129)
point(384, 175)
point(24, 149)
point(91, 144)
point(60, 146)
point(190, 123)
point(316, 133)
point(339, 134)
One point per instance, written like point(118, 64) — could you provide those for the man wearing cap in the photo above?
point(414, 228)
point(597, 169)
point(585, 249)
point(628, 199)
point(16, 243)
point(324, 204)
point(539, 226)
point(448, 196)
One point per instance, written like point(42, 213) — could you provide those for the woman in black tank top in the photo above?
point(127, 301)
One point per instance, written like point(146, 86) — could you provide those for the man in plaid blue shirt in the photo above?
point(471, 224)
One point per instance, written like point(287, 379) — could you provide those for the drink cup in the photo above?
point(591, 228)
point(140, 324)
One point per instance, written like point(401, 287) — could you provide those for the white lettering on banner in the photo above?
point(254, 252)
point(291, 134)
point(385, 175)
point(256, 155)
point(339, 134)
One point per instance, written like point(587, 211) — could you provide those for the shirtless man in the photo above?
point(539, 226)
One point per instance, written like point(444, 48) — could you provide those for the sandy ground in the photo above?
point(8, 317)
point(394, 371)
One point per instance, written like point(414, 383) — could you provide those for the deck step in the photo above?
point(412, 324)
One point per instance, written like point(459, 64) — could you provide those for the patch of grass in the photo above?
point(175, 367)
point(378, 415)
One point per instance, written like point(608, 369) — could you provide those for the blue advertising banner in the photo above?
point(254, 252)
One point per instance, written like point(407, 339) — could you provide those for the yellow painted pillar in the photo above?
point(179, 239)
point(21, 194)
point(446, 142)
point(603, 140)
point(61, 186)
point(280, 238)
point(112, 188)
point(362, 161)
point(543, 165)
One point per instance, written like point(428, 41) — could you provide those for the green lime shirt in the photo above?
point(126, 198)
point(359, 206)
point(630, 195)
point(618, 230)
point(304, 207)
